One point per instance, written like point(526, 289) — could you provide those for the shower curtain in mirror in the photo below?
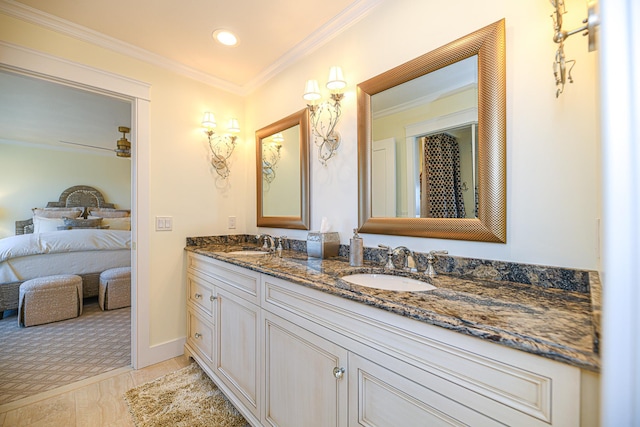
point(441, 192)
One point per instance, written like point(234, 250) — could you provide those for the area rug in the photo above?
point(44, 357)
point(184, 398)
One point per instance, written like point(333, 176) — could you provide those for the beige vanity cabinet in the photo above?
point(405, 372)
point(304, 377)
point(290, 355)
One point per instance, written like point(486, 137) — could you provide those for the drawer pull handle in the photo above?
point(338, 373)
point(197, 335)
point(213, 298)
point(198, 296)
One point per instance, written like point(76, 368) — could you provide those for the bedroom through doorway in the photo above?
point(56, 134)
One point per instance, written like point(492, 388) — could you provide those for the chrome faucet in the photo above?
point(409, 259)
point(269, 244)
point(430, 271)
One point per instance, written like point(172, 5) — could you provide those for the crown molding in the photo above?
point(347, 18)
point(341, 22)
point(35, 16)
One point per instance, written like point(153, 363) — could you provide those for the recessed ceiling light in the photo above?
point(225, 37)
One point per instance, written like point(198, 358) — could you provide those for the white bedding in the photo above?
point(77, 251)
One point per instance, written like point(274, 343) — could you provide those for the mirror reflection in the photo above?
point(281, 173)
point(282, 169)
point(424, 147)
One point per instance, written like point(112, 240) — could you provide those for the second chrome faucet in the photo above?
point(409, 260)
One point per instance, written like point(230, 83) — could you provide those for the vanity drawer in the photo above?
point(201, 293)
point(200, 335)
point(240, 281)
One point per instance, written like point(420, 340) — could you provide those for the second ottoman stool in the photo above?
point(115, 288)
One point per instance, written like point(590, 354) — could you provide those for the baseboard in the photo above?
point(161, 352)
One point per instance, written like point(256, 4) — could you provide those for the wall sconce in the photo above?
point(221, 146)
point(325, 115)
point(123, 146)
point(271, 156)
point(560, 64)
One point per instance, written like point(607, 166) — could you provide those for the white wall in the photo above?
point(553, 172)
point(31, 177)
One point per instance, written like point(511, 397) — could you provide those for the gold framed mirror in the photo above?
point(485, 119)
point(282, 172)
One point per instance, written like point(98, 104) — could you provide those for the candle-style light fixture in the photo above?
point(270, 156)
point(221, 146)
point(562, 67)
point(324, 116)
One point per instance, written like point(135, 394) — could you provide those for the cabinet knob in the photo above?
point(213, 298)
point(338, 372)
point(198, 296)
point(197, 335)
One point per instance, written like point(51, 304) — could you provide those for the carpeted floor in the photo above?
point(185, 398)
point(44, 357)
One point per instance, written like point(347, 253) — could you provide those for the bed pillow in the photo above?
point(71, 223)
point(110, 213)
point(117, 223)
point(43, 224)
point(57, 212)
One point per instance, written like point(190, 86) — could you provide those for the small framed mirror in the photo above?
point(282, 172)
point(432, 143)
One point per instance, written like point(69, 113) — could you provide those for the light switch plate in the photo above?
point(164, 223)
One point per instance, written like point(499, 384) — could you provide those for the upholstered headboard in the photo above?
point(78, 196)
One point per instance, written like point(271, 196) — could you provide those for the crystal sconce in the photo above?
point(325, 115)
point(221, 146)
point(270, 156)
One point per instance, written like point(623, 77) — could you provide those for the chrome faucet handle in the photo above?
point(389, 263)
point(279, 245)
point(431, 271)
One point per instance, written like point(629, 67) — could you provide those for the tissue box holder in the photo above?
point(322, 245)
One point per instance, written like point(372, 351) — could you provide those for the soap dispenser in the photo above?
point(356, 249)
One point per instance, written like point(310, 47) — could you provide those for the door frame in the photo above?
point(31, 62)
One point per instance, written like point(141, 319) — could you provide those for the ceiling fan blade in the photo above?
point(86, 145)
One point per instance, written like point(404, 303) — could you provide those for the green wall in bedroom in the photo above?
point(32, 176)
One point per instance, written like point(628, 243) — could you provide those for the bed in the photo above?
point(78, 234)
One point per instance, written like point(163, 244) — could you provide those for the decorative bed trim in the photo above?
point(81, 196)
point(78, 196)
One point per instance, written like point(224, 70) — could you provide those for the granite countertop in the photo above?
point(558, 324)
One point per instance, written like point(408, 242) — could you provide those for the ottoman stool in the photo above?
point(114, 290)
point(49, 299)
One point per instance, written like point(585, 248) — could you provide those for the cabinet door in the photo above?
point(379, 396)
point(237, 347)
point(305, 378)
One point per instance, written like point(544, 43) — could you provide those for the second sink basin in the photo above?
point(388, 282)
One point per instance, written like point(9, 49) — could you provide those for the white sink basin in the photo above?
point(247, 252)
point(388, 282)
